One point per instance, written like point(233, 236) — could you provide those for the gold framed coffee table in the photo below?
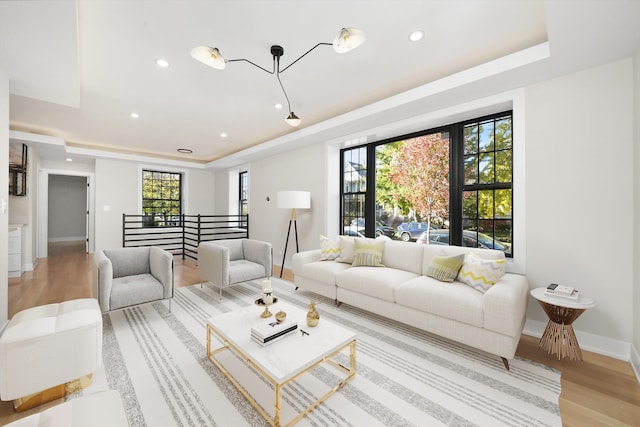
point(283, 361)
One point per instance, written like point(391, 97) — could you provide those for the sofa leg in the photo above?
point(506, 363)
point(296, 288)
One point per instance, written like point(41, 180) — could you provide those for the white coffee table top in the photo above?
point(290, 355)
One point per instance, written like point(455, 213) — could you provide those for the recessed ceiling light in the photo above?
point(416, 36)
point(134, 115)
point(162, 63)
point(223, 135)
point(69, 159)
point(278, 106)
point(184, 151)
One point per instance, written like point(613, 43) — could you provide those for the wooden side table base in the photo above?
point(560, 340)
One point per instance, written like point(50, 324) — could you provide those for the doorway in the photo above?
point(68, 210)
point(65, 210)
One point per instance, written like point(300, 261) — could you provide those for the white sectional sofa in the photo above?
point(490, 320)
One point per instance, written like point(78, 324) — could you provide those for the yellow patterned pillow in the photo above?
point(368, 253)
point(445, 268)
point(481, 273)
point(329, 248)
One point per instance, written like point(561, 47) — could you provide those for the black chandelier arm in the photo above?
point(254, 64)
point(302, 56)
point(284, 91)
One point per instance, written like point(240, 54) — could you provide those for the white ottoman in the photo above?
point(49, 345)
point(102, 409)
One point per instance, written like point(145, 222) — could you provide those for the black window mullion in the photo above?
point(370, 195)
point(456, 181)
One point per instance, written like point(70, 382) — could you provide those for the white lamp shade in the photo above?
point(348, 39)
point(294, 199)
point(209, 56)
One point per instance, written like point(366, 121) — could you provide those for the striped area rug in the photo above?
point(157, 359)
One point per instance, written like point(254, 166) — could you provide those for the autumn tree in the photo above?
point(421, 171)
point(388, 193)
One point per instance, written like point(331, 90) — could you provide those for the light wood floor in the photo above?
point(599, 391)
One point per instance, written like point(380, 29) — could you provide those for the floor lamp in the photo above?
point(292, 200)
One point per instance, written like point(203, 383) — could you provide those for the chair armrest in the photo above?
point(213, 263)
point(259, 252)
point(161, 265)
point(103, 279)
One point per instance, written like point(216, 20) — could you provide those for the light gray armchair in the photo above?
point(130, 276)
point(225, 262)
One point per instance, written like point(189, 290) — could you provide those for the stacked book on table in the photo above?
point(271, 331)
point(560, 291)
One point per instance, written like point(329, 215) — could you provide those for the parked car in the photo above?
point(381, 229)
point(352, 231)
point(469, 239)
point(408, 231)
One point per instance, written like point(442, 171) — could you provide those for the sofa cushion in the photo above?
point(236, 251)
point(329, 248)
point(346, 249)
point(132, 290)
point(373, 281)
point(445, 268)
point(405, 256)
point(242, 270)
point(322, 271)
point(368, 253)
point(480, 273)
point(129, 261)
point(455, 300)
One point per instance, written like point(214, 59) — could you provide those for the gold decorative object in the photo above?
point(313, 317)
point(280, 316)
point(266, 313)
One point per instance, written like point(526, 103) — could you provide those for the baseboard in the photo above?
point(635, 362)
point(590, 342)
point(66, 239)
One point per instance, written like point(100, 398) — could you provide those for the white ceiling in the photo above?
point(79, 68)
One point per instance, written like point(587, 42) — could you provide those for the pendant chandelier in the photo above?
point(346, 40)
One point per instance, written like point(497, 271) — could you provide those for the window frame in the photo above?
point(456, 176)
point(181, 200)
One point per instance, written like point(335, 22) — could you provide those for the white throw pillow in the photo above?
point(346, 249)
point(329, 248)
point(481, 273)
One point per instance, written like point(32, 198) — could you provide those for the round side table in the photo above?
point(559, 337)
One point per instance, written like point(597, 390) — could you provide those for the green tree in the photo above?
point(389, 195)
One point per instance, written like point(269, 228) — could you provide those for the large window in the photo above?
point(161, 198)
point(451, 185)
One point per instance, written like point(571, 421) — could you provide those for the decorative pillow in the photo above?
point(445, 268)
point(481, 273)
point(346, 250)
point(329, 248)
point(368, 253)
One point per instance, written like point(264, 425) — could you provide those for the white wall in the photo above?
point(579, 177)
point(67, 208)
point(117, 193)
point(4, 197)
point(303, 170)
